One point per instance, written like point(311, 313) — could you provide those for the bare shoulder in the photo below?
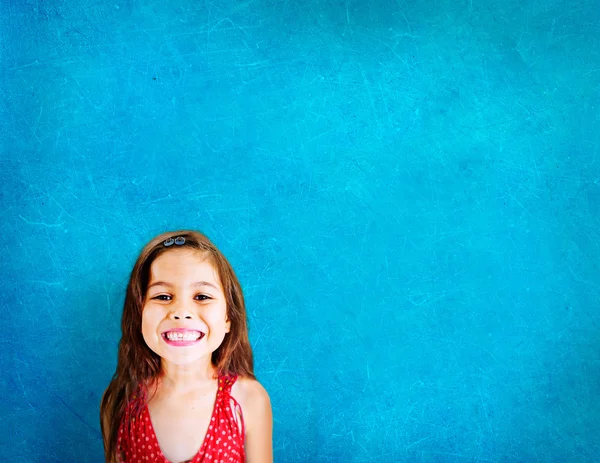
point(250, 394)
point(258, 419)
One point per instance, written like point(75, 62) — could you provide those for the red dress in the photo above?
point(223, 443)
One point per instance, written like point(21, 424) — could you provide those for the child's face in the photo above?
point(184, 318)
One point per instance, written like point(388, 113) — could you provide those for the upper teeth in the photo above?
point(187, 336)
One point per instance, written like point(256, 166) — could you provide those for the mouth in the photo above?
point(182, 336)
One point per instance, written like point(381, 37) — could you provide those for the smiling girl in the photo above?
point(184, 389)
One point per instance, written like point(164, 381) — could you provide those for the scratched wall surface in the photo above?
point(408, 191)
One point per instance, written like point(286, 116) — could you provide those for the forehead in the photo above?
point(182, 266)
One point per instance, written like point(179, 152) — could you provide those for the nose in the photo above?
point(180, 312)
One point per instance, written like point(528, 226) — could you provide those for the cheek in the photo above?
point(218, 318)
point(150, 319)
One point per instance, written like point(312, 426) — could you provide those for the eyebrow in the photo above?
point(169, 285)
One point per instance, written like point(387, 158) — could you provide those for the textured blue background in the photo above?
point(409, 192)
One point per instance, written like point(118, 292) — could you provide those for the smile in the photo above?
point(179, 336)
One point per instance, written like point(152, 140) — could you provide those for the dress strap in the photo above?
point(230, 407)
point(226, 382)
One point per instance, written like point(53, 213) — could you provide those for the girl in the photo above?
point(184, 389)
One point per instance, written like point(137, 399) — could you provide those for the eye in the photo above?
point(162, 297)
point(203, 297)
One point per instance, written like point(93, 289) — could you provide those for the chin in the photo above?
point(183, 358)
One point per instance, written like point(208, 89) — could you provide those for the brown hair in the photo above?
point(137, 364)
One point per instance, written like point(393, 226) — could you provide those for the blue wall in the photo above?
point(408, 191)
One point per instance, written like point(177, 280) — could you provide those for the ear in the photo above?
point(227, 325)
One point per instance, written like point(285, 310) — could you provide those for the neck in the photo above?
point(181, 378)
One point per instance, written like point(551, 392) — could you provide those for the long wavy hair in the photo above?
point(138, 365)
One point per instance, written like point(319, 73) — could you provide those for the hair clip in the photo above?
point(178, 241)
